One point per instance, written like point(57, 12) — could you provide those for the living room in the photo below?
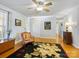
point(48, 25)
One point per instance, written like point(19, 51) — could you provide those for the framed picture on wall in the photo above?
point(47, 25)
point(17, 22)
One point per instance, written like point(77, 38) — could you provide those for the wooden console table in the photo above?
point(6, 45)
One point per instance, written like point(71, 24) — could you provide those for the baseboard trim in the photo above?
point(42, 39)
point(76, 46)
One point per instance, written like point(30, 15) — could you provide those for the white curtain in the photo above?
point(3, 24)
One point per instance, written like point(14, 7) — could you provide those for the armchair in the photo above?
point(27, 38)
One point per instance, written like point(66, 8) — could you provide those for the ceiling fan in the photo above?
point(42, 5)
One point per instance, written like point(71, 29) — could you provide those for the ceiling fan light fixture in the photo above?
point(42, 5)
point(39, 8)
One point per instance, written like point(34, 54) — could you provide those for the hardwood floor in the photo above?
point(71, 51)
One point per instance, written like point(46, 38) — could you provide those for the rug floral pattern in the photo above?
point(41, 50)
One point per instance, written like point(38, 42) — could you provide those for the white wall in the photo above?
point(28, 24)
point(16, 30)
point(72, 16)
point(37, 26)
point(75, 18)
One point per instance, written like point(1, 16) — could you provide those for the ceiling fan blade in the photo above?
point(34, 1)
point(46, 9)
point(29, 7)
point(48, 4)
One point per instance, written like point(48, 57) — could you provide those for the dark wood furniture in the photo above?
point(67, 37)
point(6, 45)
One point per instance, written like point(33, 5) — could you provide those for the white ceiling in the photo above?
point(22, 6)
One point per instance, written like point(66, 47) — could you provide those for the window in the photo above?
point(3, 24)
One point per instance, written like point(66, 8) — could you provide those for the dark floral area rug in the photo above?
point(40, 50)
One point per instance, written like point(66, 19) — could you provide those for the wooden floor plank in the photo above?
point(70, 50)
